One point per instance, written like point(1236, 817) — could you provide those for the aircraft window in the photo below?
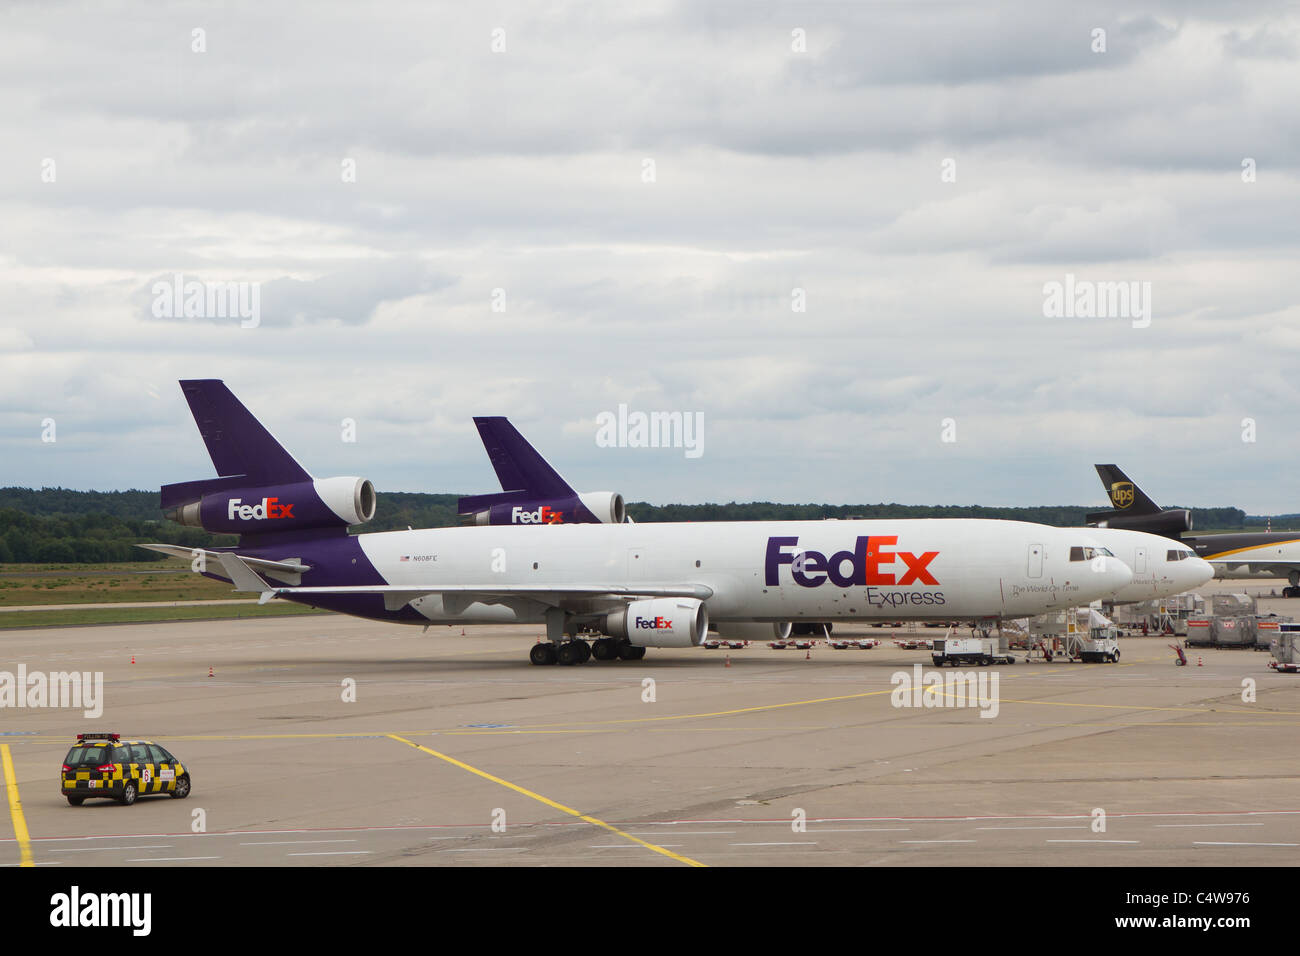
point(1087, 554)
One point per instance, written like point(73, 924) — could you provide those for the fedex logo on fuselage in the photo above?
point(654, 623)
point(268, 508)
point(543, 515)
point(862, 566)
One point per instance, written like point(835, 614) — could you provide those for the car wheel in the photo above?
point(76, 801)
point(129, 793)
point(182, 787)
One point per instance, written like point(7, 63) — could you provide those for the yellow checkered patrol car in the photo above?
point(105, 765)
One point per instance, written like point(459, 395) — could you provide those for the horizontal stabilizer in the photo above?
point(245, 578)
point(288, 571)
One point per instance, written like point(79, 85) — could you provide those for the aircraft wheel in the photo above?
point(583, 649)
point(604, 650)
point(542, 653)
point(630, 652)
point(567, 654)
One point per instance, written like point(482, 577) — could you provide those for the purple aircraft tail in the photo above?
point(532, 491)
point(518, 465)
point(261, 489)
point(242, 450)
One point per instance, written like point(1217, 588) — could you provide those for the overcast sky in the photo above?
point(639, 190)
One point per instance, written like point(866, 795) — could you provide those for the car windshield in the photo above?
point(89, 755)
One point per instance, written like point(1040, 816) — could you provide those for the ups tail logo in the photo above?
point(1121, 494)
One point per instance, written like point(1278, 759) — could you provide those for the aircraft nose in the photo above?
point(1114, 574)
point(1197, 572)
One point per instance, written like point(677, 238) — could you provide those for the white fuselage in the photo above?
point(1161, 566)
point(760, 571)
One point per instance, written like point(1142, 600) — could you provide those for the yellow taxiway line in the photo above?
point(16, 807)
point(550, 803)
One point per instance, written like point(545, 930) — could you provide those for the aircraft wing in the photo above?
point(398, 595)
point(245, 578)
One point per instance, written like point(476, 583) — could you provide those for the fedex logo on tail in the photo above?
point(268, 508)
point(870, 562)
point(543, 515)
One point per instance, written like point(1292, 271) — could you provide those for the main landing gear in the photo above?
point(578, 651)
point(556, 650)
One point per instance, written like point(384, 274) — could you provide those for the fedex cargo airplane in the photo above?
point(1232, 555)
point(534, 493)
point(638, 585)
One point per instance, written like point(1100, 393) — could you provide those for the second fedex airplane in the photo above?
point(639, 585)
point(533, 492)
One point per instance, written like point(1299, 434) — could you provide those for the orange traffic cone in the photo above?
point(209, 670)
point(132, 658)
point(728, 664)
point(1198, 661)
point(807, 655)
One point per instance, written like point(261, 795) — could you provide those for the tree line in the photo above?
point(58, 525)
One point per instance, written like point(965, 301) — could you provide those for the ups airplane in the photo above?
point(1241, 555)
point(637, 585)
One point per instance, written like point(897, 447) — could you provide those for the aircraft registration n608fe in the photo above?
point(640, 585)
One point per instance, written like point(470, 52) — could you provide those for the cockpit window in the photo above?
point(1173, 555)
point(1087, 554)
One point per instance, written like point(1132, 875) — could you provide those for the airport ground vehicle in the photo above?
point(105, 766)
point(1101, 646)
point(969, 650)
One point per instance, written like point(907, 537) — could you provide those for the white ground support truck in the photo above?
point(970, 650)
point(1101, 646)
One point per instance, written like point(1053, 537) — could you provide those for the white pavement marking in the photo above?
point(1209, 824)
point(294, 842)
point(788, 843)
point(936, 841)
point(97, 849)
point(171, 859)
point(1207, 843)
point(629, 846)
point(334, 853)
point(1079, 826)
point(1094, 841)
point(495, 849)
point(862, 830)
